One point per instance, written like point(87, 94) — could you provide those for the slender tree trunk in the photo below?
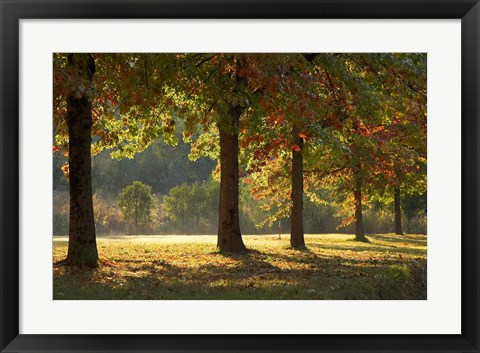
point(82, 246)
point(183, 221)
point(229, 235)
point(398, 211)
point(297, 239)
point(197, 221)
point(136, 218)
point(359, 231)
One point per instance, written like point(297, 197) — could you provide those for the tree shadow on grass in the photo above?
point(248, 264)
point(373, 248)
point(332, 280)
point(289, 274)
point(404, 239)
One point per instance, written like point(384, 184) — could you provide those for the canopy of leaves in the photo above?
point(358, 115)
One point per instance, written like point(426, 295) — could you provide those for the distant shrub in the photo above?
point(137, 204)
point(108, 217)
point(191, 208)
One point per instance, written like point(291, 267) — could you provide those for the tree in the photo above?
point(229, 234)
point(284, 102)
point(305, 99)
point(347, 165)
point(206, 89)
point(82, 246)
point(137, 203)
point(402, 141)
point(384, 117)
point(118, 108)
point(218, 94)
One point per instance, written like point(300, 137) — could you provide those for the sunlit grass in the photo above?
point(189, 267)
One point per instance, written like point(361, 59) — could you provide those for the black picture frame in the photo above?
point(12, 11)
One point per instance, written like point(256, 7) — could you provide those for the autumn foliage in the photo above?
point(288, 125)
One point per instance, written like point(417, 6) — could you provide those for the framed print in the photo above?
point(239, 176)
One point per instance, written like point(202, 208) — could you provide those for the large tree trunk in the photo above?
point(398, 211)
point(82, 246)
point(229, 235)
point(359, 231)
point(297, 239)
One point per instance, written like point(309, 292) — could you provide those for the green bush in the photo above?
point(137, 204)
point(191, 209)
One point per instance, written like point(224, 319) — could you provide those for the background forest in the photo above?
point(186, 198)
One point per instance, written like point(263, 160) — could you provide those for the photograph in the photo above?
point(239, 176)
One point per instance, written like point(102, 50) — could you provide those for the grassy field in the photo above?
point(189, 267)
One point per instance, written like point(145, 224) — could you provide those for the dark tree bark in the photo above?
point(398, 211)
point(82, 246)
point(229, 235)
point(359, 231)
point(297, 239)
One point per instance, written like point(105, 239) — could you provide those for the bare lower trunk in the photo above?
point(82, 246)
point(359, 231)
point(398, 211)
point(297, 239)
point(229, 235)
